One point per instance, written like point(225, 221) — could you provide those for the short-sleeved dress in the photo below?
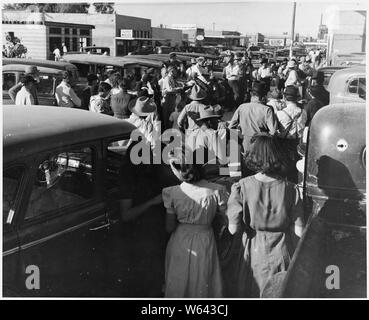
point(267, 210)
point(192, 267)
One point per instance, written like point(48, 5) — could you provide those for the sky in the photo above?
point(268, 18)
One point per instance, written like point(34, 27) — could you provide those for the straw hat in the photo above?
point(197, 93)
point(208, 113)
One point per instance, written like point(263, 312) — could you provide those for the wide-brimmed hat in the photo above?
point(200, 59)
point(291, 92)
point(291, 64)
point(208, 113)
point(193, 61)
point(197, 93)
point(143, 106)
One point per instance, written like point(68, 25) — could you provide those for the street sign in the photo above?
point(276, 42)
point(126, 33)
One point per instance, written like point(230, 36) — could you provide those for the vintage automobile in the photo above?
point(49, 80)
point(328, 73)
point(348, 85)
point(99, 64)
point(61, 181)
point(333, 184)
point(91, 50)
point(60, 65)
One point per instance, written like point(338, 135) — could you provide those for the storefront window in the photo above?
point(66, 30)
point(55, 31)
point(84, 32)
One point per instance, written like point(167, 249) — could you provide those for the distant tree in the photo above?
point(50, 7)
point(104, 7)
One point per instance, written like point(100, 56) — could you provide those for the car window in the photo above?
point(63, 179)
point(11, 181)
point(8, 81)
point(353, 86)
point(46, 85)
point(362, 88)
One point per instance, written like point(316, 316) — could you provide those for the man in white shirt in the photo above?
point(65, 95)
point(199, 71)
point(57, 53)
point(65, 50)
point(232, 73)
point(265, 74)
point(24, 96)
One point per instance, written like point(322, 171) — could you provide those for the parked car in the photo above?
point(348, 85)
point(333, 185)
point(61, 181)
point(328, 72)
point(49, 80)
point(99, 64)
point(60, 65)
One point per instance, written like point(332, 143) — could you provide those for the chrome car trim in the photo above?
point(54, 235)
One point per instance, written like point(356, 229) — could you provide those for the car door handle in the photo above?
point(103, 226)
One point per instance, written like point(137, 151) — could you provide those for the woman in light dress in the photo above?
point(192, 267)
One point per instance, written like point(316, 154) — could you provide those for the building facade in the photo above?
point(226, 39)
point(166, 36)
point(41, 33)
point(194, 35)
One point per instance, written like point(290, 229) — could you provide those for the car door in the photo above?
point(13, 186)
point(62, 210)
point(9, 80)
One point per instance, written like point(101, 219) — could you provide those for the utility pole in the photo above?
point(213, 26)
point(293, 28)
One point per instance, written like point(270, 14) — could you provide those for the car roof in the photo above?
point(338, 80)
point(22, 68)
point(196, 55)
point(85, 58)
point(61, 65)
point(153, 61)
point(33, 129)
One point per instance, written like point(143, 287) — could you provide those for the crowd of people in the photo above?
point(269, 106)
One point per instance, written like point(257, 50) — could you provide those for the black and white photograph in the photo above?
point(184, 150)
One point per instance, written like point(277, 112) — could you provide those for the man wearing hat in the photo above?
point(317, 101)
point(24, 96)
point(254, 117)
point(292, 76)
point(318, 82)
point(264, 74)
point(173, 61)
point(191, 112)
point(208, 138)
point(199, 71)
point(292, 118)
point(33, 72)
point(144, 117)
point(65, 95)
point(232, 73)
